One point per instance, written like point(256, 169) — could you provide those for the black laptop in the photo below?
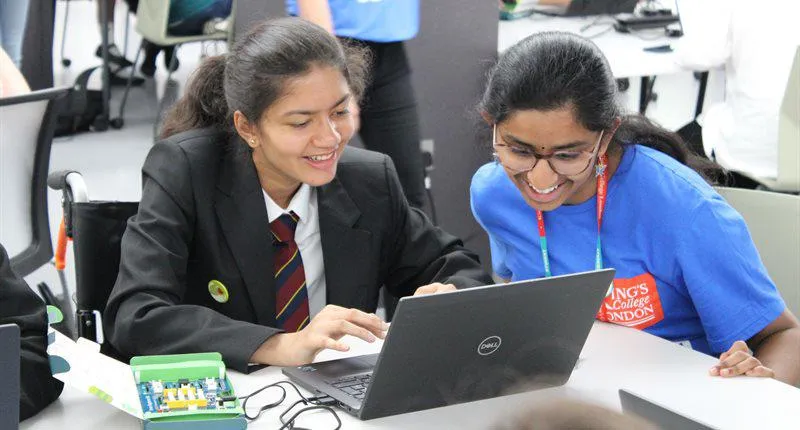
point(588, 8)
point(467, 345)
point(9, 374)
point(661, 416)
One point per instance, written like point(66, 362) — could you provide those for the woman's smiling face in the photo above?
point(556, 132)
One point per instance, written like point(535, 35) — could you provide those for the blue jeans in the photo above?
point(13, 17)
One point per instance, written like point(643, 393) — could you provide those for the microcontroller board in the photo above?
point(206, 394)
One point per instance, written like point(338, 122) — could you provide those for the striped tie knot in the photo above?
point(284, 227)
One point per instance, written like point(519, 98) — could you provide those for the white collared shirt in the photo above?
point(309, 241)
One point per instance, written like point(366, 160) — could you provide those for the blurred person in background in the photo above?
point(573, 415)
point(13, 19)
point(12, 83)
point(755, 45)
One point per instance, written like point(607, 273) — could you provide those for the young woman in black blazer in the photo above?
point(253, 150)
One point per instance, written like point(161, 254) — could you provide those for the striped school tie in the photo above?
point(291, 304)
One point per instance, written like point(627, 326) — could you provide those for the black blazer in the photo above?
point(202, 217)
point(21, 306)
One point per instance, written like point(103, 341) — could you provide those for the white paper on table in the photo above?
point(92, 372)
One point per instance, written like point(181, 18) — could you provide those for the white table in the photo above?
point(624, 51)
point(614, 357)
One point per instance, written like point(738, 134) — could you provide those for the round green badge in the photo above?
point(218, 291)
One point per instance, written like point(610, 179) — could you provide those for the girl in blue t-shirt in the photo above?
point(576, 186)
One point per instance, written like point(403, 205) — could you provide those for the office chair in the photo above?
point(27, 124)
point(152, 19)
point(95, 228)
point(26, 136)
point(774, 223)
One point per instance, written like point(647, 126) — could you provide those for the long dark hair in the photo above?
point(551, 70)
point(252, 76)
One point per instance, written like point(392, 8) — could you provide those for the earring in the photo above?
point(600, 167)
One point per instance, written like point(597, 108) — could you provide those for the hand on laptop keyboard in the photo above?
point(323, 332)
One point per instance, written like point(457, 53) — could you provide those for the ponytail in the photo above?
point(203, 103)
point(636, 129)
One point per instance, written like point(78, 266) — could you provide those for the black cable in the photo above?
point(289, 424)
point(596, 21)
point(312, 403)
point(268, 406)
point(600, 33)
point(278, 384)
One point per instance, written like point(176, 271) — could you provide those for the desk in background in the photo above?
point(614, 357)
point(624, 51)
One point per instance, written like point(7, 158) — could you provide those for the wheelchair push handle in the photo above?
point(70, 183)
point(73, 189)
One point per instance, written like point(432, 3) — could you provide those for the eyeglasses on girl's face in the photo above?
point(520, 158)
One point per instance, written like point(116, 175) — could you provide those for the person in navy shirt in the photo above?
point(577, 186)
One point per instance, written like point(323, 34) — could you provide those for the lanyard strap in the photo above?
point(602, 192)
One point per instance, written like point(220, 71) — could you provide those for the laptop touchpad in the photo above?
point(347, 366)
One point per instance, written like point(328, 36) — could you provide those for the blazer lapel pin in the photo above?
point(218, 291)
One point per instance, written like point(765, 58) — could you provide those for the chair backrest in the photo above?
point(152, 22)
point(774, 223)
point(27, 123)
point(789, 133)
point(97, 229)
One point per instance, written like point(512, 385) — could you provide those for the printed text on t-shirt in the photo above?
point(633, 302)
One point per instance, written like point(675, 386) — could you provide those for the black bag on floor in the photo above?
point(81, 108)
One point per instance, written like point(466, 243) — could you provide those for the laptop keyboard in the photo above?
point(355, 386)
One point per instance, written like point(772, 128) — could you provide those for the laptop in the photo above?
point(587, 8)
point(9, 374)
point(466, 345)
point(661, 416)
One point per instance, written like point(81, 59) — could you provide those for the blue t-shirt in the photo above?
point(687, 269)
point(371, 20)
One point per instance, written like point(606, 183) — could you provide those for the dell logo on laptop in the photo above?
point(489, 345)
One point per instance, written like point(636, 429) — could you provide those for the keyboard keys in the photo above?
point(355, 386)
point(345, 384)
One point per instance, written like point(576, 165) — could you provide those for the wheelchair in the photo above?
point(95, 229)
